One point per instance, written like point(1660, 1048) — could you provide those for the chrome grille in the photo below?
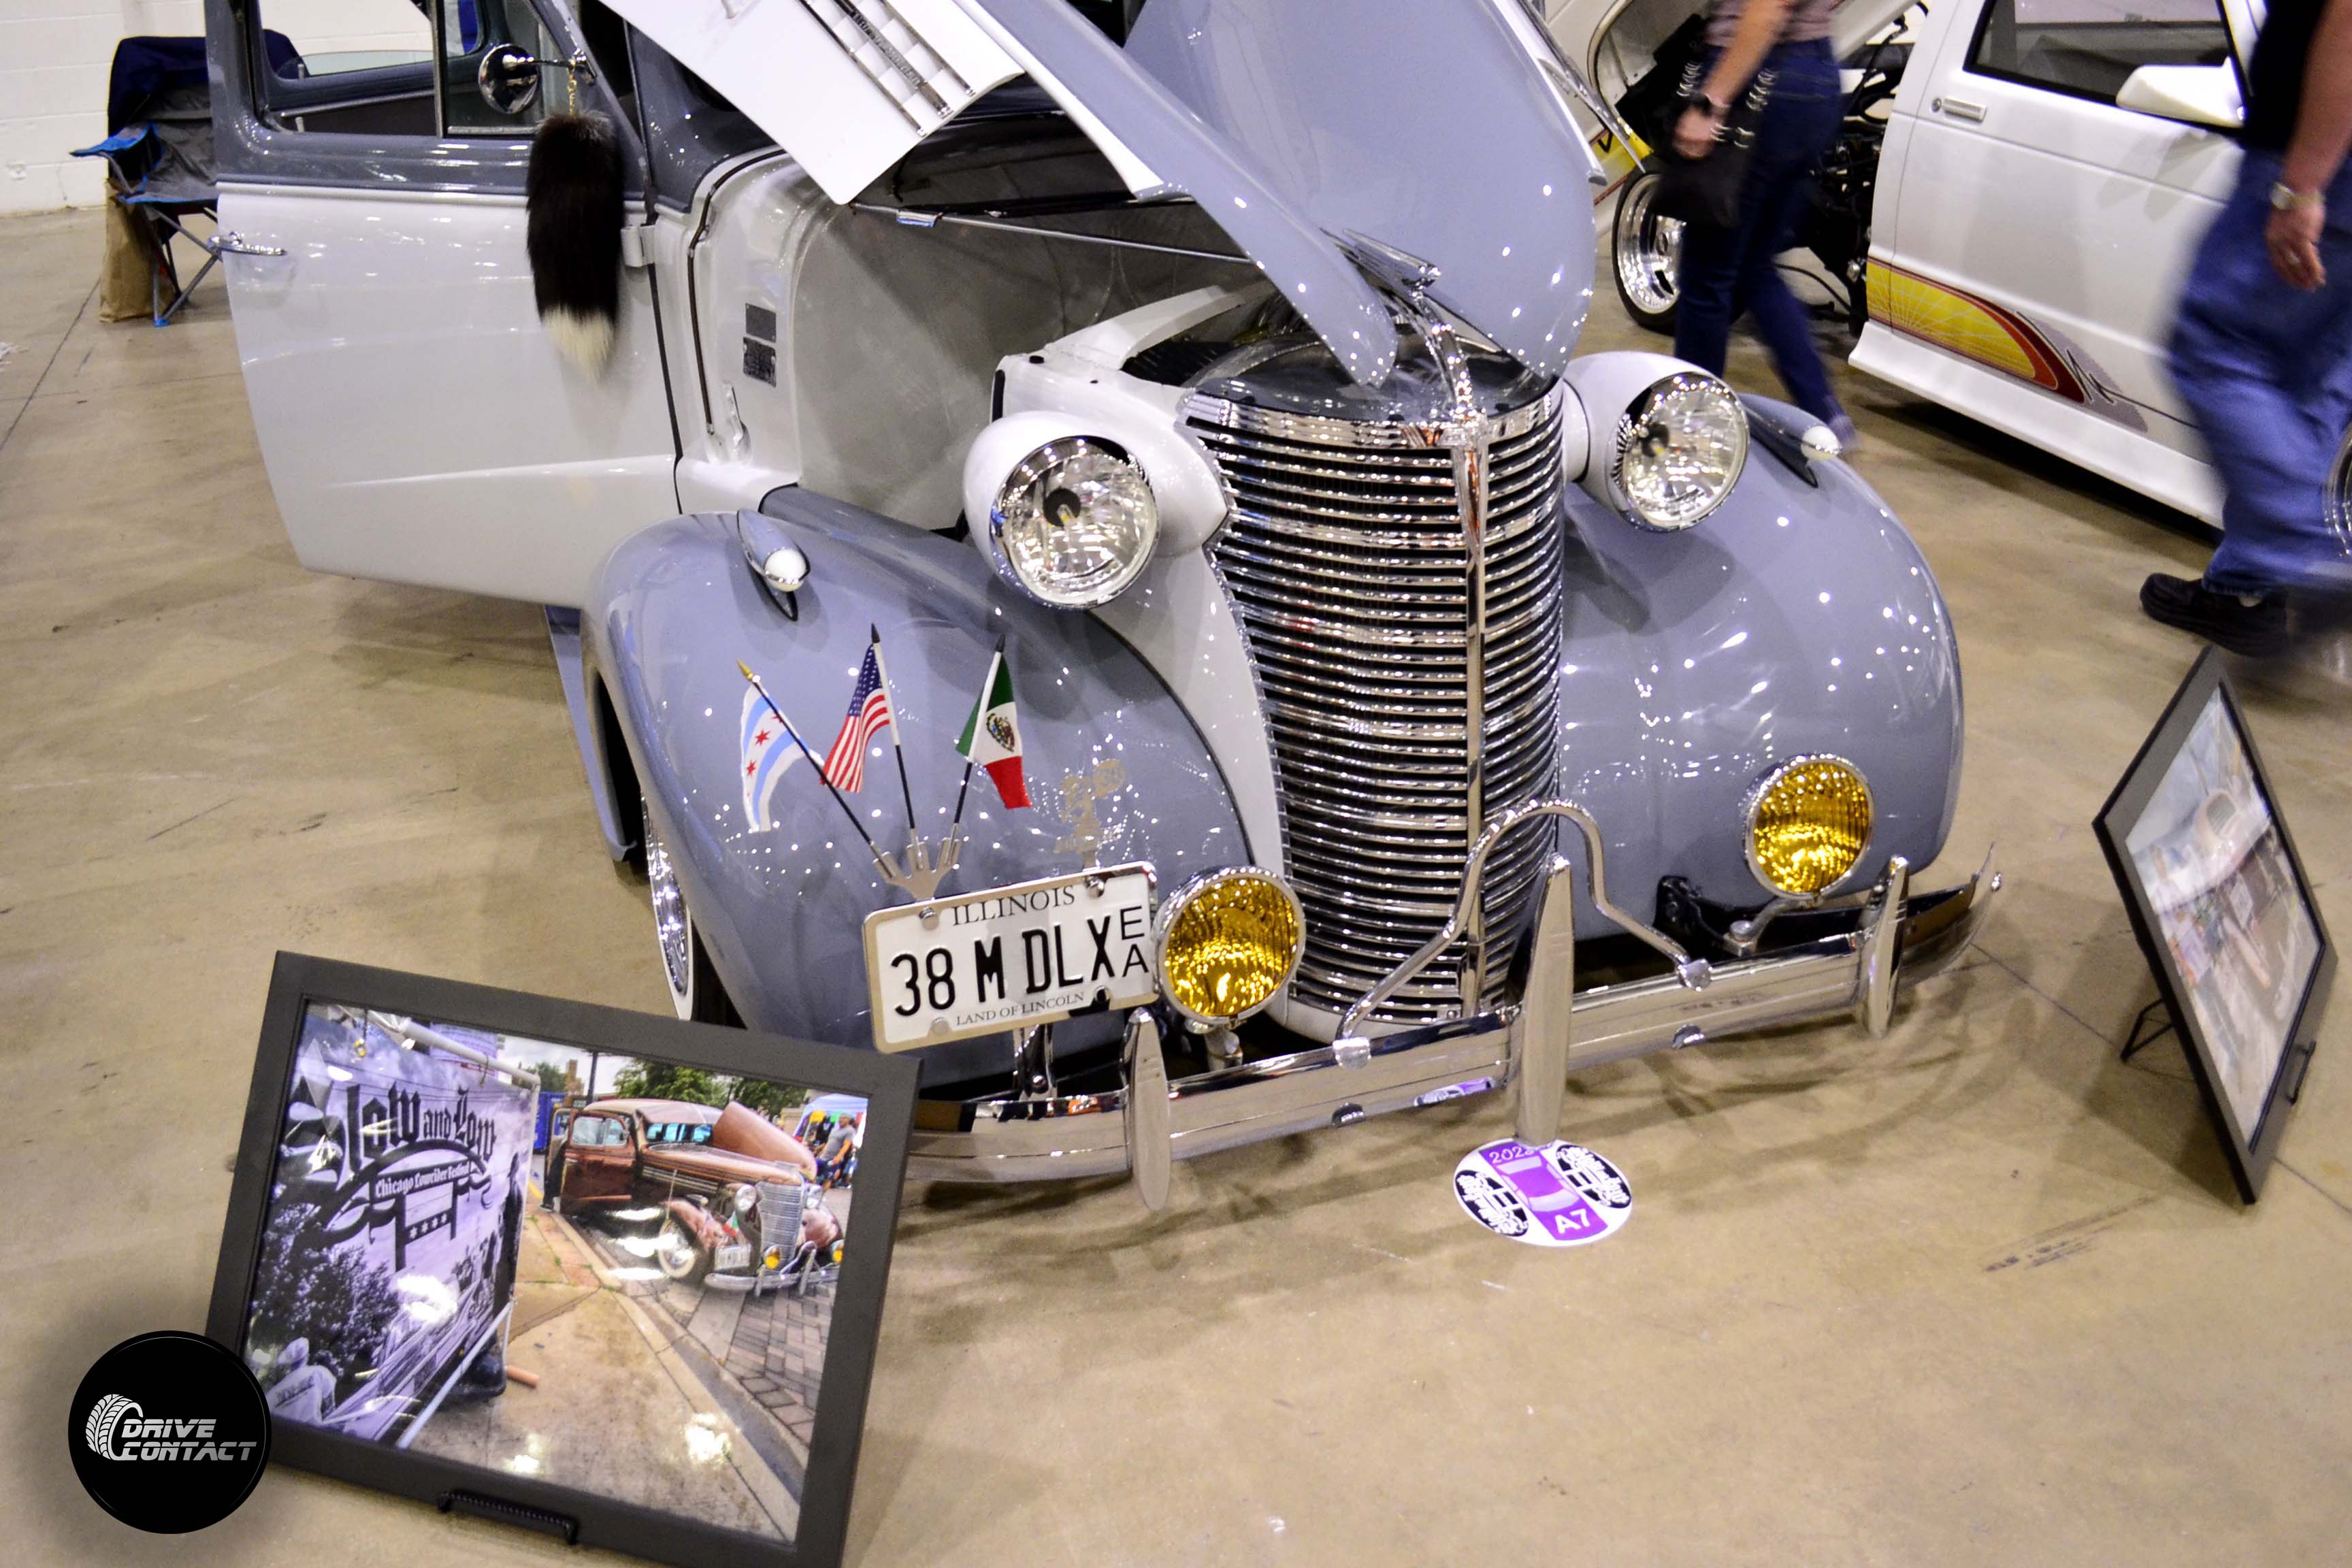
point(1347, 562)
point(780, 1218)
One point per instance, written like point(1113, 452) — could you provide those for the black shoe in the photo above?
point(2257, 630)
point(485, 1379)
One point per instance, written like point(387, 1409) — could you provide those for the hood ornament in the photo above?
point(1407, 280)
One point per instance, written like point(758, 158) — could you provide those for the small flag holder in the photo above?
point(990, 739)
point(923, 868)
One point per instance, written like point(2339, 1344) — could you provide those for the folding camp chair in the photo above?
point(159, 152)
point(161, 188)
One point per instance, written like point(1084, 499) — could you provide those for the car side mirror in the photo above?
point(508, 76)
point(2194, 95)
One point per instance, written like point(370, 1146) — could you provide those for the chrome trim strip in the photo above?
point(1470, 476)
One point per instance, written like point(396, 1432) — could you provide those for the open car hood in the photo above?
point(1428, 126)
point(1580, 25)
point(744, 1131)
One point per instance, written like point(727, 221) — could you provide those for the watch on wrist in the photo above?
point(2285, 198)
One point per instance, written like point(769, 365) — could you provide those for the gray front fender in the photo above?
point(1107, 751)
point(1797, 618)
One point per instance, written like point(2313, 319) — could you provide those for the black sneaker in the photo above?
point(2257, 630)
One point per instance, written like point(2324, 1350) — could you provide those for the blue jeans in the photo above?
point(2267, 370)
point(1728, 272)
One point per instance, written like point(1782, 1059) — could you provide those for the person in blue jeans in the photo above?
point(2262, 350)
point(1726, 273)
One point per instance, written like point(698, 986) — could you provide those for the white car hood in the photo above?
point(1426, 125)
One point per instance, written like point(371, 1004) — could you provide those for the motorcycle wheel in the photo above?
point(1646, 250)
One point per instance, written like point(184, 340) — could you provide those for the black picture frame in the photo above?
point(2250, 1151)
point(888, 1084)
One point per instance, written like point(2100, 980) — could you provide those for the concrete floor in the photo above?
point(1973, 1293)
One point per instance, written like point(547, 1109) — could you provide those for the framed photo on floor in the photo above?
point(2223, 910)
point(598, 1273)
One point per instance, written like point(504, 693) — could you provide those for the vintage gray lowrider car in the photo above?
point(1380, 663)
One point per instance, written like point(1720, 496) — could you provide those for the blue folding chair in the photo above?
point(159, 152)
point(158, 186)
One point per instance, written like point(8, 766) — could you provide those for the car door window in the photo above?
point(335, 37)
point(598, 1132)
point(367, 67)
point(2087, 49)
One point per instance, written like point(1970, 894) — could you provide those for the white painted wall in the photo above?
point(55, 55)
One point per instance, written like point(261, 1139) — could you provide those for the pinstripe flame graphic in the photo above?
point(1997, 338)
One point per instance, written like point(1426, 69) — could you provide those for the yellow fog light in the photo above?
point(1228, 944)
point(1808, 824)
point(773, 1259)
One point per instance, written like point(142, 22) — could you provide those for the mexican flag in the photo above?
point(991, 736)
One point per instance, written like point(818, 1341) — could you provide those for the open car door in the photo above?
point(416, 419)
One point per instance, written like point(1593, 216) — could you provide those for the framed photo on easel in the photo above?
point(612, 1276)
point(2224, 913)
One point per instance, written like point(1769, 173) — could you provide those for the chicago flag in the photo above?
point(768, 754)
point(991, 736)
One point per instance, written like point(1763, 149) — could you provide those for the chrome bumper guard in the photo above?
point(1529, 1047)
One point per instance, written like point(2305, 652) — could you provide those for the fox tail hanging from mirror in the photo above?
point(574, 197)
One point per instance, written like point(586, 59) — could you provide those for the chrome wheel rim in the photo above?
point(1649, 248)
point(2339, 496)
point(673, 927)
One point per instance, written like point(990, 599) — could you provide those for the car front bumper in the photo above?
point(1529, 1047)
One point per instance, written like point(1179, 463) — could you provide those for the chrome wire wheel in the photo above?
point(673, 926)
point(2339, 496)
point(678, 1256)
point(696, 992)
point(1647, 248)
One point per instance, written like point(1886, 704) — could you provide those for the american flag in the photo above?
point(870, 710)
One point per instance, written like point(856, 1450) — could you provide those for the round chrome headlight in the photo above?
point(745, 1196)
point(1229, 941)
point(1680, 449)
point(1074, 523)
point(1809, 822)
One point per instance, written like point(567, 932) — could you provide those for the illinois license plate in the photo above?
point(1010, 957)
point(734, 1257)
